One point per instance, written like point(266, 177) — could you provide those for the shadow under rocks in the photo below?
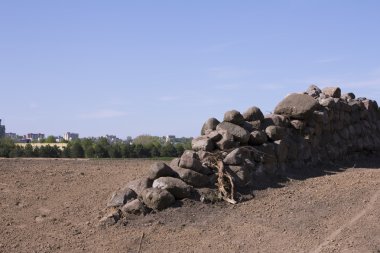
point(369, 160)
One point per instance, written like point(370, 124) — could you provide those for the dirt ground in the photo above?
point(49, 205)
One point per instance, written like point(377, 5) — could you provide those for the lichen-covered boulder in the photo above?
point(297, 106)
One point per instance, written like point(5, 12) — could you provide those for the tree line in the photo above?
point(141, 147)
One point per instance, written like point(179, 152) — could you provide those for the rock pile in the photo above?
point(305, 129)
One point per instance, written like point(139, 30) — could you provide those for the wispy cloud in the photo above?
point(228, 72)
point(103, 114)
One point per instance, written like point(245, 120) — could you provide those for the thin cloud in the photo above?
point(103, 114)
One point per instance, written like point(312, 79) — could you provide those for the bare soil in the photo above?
point(49, 205)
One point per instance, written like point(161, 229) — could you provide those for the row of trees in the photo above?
point(143, 147)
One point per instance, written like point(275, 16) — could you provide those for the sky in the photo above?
point(164, 67)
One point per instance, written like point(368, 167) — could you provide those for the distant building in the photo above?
point(34, 137)
point(170, 138)
point(12, 136)
point(58, 138)
point(2, 130)
point(70, 136)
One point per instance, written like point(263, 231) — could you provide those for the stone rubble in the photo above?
point(317, 126)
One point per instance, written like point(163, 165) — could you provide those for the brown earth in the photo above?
point(49, 205)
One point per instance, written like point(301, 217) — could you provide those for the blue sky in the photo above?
point(164, 67)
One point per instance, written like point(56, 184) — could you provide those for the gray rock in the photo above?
point(334, 92)
point(253, 114)
point(281, 149)
point(256, 125)
point(275, 120)
point(110, 219)
point(240, 134)
point(157, 199)
point(189, 160)
point(121, 196)
point(348, 96)
point(209, 125)
point(175, 186)
point(242, 175)
point(257, 138)
point(227, 142)
point(233, 117)
point(135, 207)
point(140, 185)
point(191, 177)
point(160, 169)
point(313, 91)
point(239, 155)
point(202, 143)
point(298, 124)
point(275, 132)
point(327, 102)
point(297, 106)
point(214, 136)
point(267, 153)
point(207, 195)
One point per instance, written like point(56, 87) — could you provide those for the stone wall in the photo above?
point(305, 129)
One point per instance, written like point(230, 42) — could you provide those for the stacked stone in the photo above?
point(305, 128)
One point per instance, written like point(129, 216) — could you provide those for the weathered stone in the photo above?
point(348, 96)
point(313, 91)
point(139, 185)
point(274, 120)
point(240, 134)
point(275, 132)
point(281, 149)
point(209, 125)
point(192, 177)
point(334, 92)
point(189, 160)
point(135, 207)
point(227, 142)
point(110, 219)
point(233, 117)
point(297, 106)
point(267, 153)
point(298, 124)
point(326, 102)
point(214, 136)
point(121, 196)
point(207, 195)
point(157, 199)
point(239, 155)
point(257, 138)
point(242, 175)
point(202, 143)
point(321, 117)
point(175, 186)
point(256, 125)
point(160, 169)
point(253, 114)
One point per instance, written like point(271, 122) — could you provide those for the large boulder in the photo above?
point(175, 186)
point(257, 138)
point(191, 177)
point(189, 160)
point(209, 126)
point(297, 106)
point(242, 175)
point(160, 169)
point(275, 132)
point(202, 143)
point(121, 196)
point(313, 91)
point(334, 92)
point(135, 207)
point(252, 114)
point(140, 185)
point(240, 134)
point(157, 199)
point(227, 141)
point(234, 117)
point(239, 156)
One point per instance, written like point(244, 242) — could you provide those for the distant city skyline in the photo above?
point(128, 68)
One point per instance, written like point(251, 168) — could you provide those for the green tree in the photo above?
point(50, 139)
point(168, 150)
point(76, 150)
point(6, 146)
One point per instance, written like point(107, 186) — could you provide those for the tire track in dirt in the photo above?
point(351, 222)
